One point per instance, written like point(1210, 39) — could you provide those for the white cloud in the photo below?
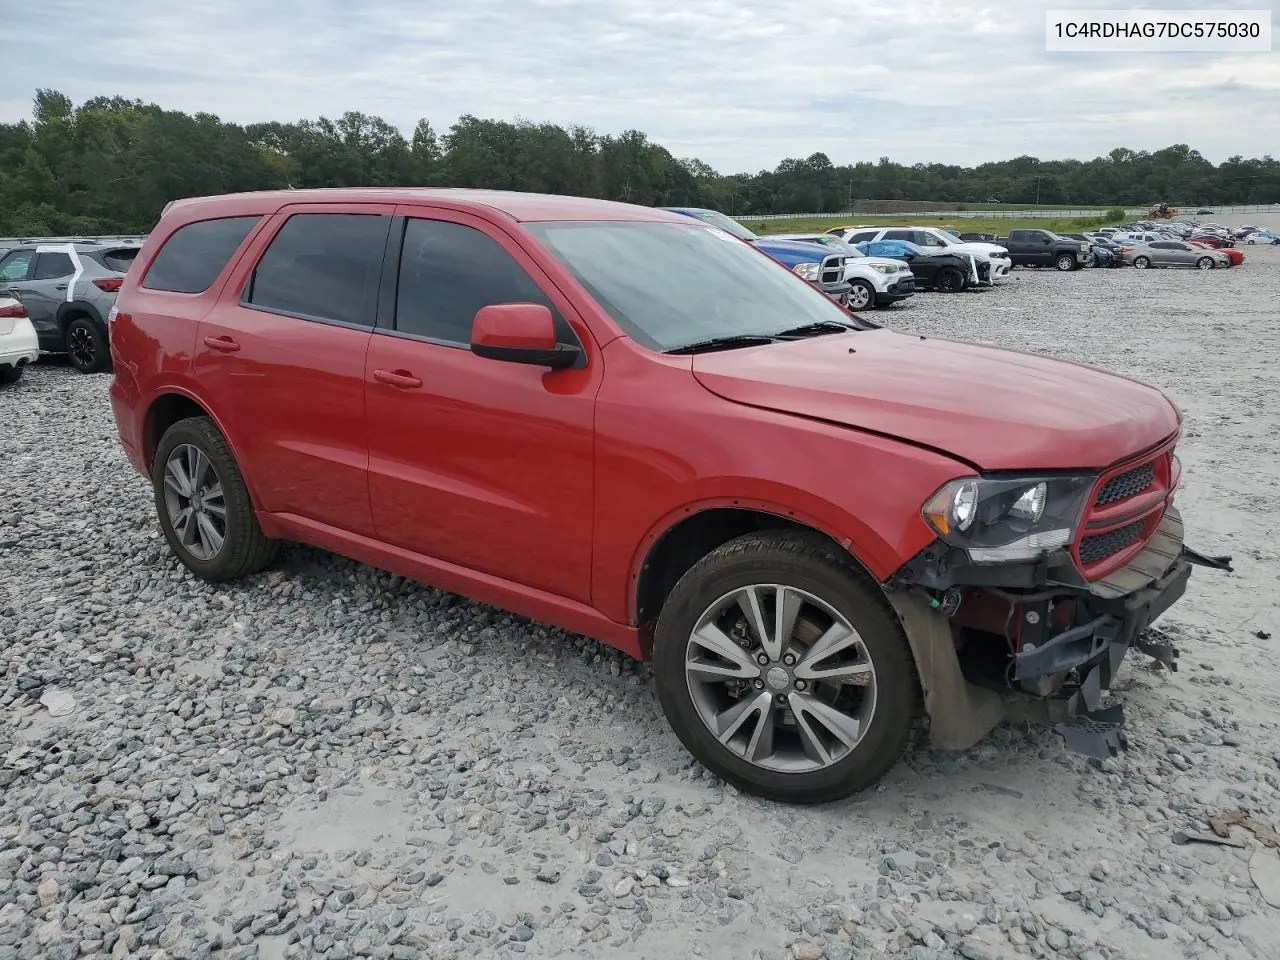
point(740, 84)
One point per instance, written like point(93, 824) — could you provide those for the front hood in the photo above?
point(979, 248)
point(896, 265)
point(794, 251)
point(998, 409)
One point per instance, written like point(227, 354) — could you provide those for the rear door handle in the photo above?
point(397, 378)
point(222, 344)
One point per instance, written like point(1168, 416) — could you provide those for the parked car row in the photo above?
point(66, 290)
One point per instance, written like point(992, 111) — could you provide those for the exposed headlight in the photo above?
point(808, 271)
point(1000, 520)
point(883, 268)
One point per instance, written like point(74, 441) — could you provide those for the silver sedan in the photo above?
point(1174, 253)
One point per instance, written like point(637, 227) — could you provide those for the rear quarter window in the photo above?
point(119, 260)
point(194, 256)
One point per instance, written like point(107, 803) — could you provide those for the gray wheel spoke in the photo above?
point(838, 639)
point(714, 640)
point(786, 609)
point(184, 526)
point(749, 601)
point(760, 747)
point(209, 534)
point(730, 721)
point(214, 503)
point(198, 465)
point(809, 710)
point(177, 478)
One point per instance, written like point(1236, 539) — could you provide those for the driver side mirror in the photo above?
point(520, 333)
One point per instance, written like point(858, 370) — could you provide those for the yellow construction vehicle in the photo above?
point(1162, 212)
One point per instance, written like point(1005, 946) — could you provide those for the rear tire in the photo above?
point(801, 762)
point(87, 346)
point(1066, 262)
point(242, 548)
point(11, 374)
point(949, 280)
point(1141, 263)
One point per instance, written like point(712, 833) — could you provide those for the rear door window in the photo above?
point(322, 266)
point(53, 266)
point(195, 255)
point(862, 235)
point(900, 235)
point(16, 266)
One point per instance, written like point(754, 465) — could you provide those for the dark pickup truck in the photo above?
point(1044, 248)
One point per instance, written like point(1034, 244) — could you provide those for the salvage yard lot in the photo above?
point(327, 761)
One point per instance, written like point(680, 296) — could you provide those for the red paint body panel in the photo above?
point(541, 491)
point(998, 409)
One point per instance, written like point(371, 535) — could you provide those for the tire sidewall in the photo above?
point(1142, 263)
point(949, 272)
point(1200, 264)
point(199, 433)
point(1066, 263)
point(897, 690)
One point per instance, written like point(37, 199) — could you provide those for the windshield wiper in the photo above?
point(725, 343)
point(817, 329)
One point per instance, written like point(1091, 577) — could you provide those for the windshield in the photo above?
point(669, 285)
point(727, 224)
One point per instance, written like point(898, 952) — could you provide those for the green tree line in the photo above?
point(110, 165)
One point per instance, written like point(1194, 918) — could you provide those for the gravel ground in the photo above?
point(327, 761)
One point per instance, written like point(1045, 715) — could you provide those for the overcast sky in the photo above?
point(740, 84)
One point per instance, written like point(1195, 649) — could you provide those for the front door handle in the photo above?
point(61, 286)
point(397, 378)
point(221, 344)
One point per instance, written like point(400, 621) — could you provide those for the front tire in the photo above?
point(1066, 262)
point(87, 346)
point(204, 506)
point(949, 280)
point(862, 295)
point(1205, 263)
point(782, 670)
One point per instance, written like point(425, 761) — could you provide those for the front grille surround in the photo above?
point(1126, 506)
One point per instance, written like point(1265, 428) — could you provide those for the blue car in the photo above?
point(807, 260)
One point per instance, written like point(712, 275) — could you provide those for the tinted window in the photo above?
point(928, 239)
point(323, 265)
point(1163, 245)
point(862, 235)
point(15, 266)
point(196, 254)
point(448, 272)
point(52, 266)
point(119, 260)
point(899, 235)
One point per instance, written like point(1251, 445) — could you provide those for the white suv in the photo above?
point(936, 241)
point(873, 281)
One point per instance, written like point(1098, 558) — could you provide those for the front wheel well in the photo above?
point(687, 542)
point(167, 410)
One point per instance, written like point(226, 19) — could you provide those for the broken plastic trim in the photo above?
point(1201, 560)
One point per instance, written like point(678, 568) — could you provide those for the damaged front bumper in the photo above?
point(1067, 636)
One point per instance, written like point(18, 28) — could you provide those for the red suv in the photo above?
point(635, 426)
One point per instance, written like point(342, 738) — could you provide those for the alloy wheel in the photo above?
point(780, 678)
point(194, 501)
point(81, 347)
